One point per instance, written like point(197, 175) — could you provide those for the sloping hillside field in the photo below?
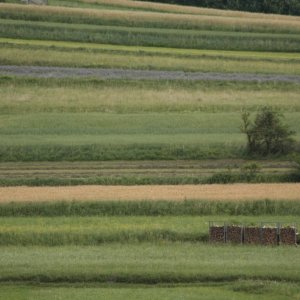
point(121, 141)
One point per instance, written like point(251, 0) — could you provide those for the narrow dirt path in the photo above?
point(59, 72)
point(235, 192)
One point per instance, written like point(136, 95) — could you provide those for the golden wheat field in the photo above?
point(154, 192)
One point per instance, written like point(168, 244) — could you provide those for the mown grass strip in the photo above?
point(94, 58)
point(150, 37)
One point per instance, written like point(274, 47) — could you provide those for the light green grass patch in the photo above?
point(149, 263)
point(20, 95)
point(56, 231)
point(132, 126)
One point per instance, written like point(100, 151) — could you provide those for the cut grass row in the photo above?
point(173, 38)
point(147, 19)
point(20, 95)
point(40, 55)
point(142, 176)
point(144, 172)
point(59, 231)
point(148, 263)
point(242, 289)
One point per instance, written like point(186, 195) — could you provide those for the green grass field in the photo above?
point(97, 131)
point(219, 209)
point(154, 120)
point(148, 263)
point(59, 231)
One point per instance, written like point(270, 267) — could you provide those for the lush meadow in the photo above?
point(122, 119)
point(148, 263)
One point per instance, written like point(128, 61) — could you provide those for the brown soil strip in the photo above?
point(236, 192)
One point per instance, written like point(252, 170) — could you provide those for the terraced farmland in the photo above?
point(119, 120)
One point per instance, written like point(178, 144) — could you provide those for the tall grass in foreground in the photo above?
point(172, 38)
point(151, 208)
point(243, 289)
point(148, 263)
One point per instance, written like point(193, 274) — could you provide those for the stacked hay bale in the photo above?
point(252, 235)
point(288, 236)
point(217, 234)
point(269, 236)
point(265, 234)
point(234, 234)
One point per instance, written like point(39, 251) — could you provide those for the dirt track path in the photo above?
point(153, 192)
point(58, 72)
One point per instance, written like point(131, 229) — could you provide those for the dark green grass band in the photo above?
point(221, 177)
point(151, 208)
point(116, 152)
point(150, 37)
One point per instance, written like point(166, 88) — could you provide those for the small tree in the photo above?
point(267, 134)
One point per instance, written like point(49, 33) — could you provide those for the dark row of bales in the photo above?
point(253, 235)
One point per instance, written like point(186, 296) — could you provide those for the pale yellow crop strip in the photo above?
point(154, 50)
point(218, 192)
point(177, 20)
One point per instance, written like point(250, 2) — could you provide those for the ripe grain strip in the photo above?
point(154, 192)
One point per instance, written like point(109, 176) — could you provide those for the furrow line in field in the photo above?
point(62, 72)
